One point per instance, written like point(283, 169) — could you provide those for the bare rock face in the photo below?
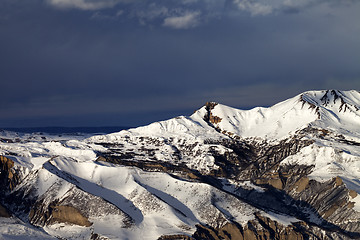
point(68, 214)
point(4, 212)
point(264, 228)
point(9, 177)
point(76, 207)
point(175, 237)
point(95, 236)
point(55, 213)
point(261, 228)
point(209, 117)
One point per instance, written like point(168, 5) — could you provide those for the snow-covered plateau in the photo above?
point(290, 171)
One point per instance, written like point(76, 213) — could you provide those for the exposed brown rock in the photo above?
point(232, 231)
point(6, 163)
point(259, 229)
point(230, 134)
point(101, 159)
point(352, 193)
point(272, 179)
point(203, 232)
point(210, 105)
point(4, 212)
point(95, 236)
point(214, 119)
point(301, 184)
point(55, 213)
point(228, 231)
point(274, 230)
point(7, 178)
point(276, 183)
point(175, 237)
point(338, 181)
point(67, 214)
point(209, 117)
point(249, 234)
point(333, 208)
point(351, 205)
point(192, 176)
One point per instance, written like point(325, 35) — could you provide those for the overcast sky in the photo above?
point(133, 62)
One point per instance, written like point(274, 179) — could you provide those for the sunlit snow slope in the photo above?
point(330, 109)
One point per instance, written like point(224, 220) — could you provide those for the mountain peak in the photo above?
point(209, 117)
point(210, 105)
point(323, 108)
point(334, 100)
point(332, 94)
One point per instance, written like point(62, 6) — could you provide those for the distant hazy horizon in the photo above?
point(65, 130)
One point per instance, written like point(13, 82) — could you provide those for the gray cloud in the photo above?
point(185, 14)
point(254, 7)
point(83, 4)
point(188, 20)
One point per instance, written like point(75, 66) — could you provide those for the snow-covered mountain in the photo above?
point(290, 171)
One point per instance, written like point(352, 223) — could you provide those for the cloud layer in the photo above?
point(188, 20)
point(254, 7)
point(185, 14)
point(83, 4)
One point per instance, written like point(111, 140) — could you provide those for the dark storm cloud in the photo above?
point(133, 62)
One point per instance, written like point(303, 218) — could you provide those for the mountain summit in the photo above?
point(290, 171)
point(329, 108)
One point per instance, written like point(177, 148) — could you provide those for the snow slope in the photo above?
point(14, 229)
point(333, 109)
point(329, 109)
point(158, 203)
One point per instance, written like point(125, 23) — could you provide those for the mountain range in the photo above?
point(289, 171)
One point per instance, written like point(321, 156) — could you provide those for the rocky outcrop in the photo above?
point(209, 117)
point(4, 212)
point(95, 236)
point(9, 177)
point(68, 214)
point(176, 237)
point(261, 228)
point(250, 159)
point(60, 214)
point(76, 207)
point(47, 214)
point(332, 201)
